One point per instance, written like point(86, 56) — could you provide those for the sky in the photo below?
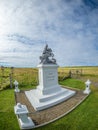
point(69, 27)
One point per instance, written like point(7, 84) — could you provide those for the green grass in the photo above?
point(8, 120)
point(84, 117)
point(73, 83)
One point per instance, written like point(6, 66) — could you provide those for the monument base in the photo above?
point(48, 93)
point(40, 101)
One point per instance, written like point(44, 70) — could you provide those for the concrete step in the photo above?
point(48, 101)
point(45, 98)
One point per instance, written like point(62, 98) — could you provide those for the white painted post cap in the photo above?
point(88, 82)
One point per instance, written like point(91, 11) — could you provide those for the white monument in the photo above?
point(48, 92)
point(87, 89)
point(21, 111)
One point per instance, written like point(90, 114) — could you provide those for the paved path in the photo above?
point(52, 113)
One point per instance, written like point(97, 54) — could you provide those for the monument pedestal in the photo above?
point(48, 79)
point(48, 92)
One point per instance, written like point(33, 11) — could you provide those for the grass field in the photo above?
point(84, 117)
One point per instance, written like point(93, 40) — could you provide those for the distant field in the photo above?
point(81, 72)
point(85, 70)
point(25, 76)
point(29, 76)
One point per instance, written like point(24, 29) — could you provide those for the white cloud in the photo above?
point(18, 54)
point(69, 27)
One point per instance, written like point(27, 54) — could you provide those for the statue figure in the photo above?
point(45, 58)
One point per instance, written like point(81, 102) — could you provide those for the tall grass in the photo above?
point(29, 76)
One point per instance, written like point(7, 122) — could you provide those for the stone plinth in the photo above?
point(21, 111)
point(48, 79)
point(48, 92)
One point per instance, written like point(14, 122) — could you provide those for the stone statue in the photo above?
point(47, 56)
